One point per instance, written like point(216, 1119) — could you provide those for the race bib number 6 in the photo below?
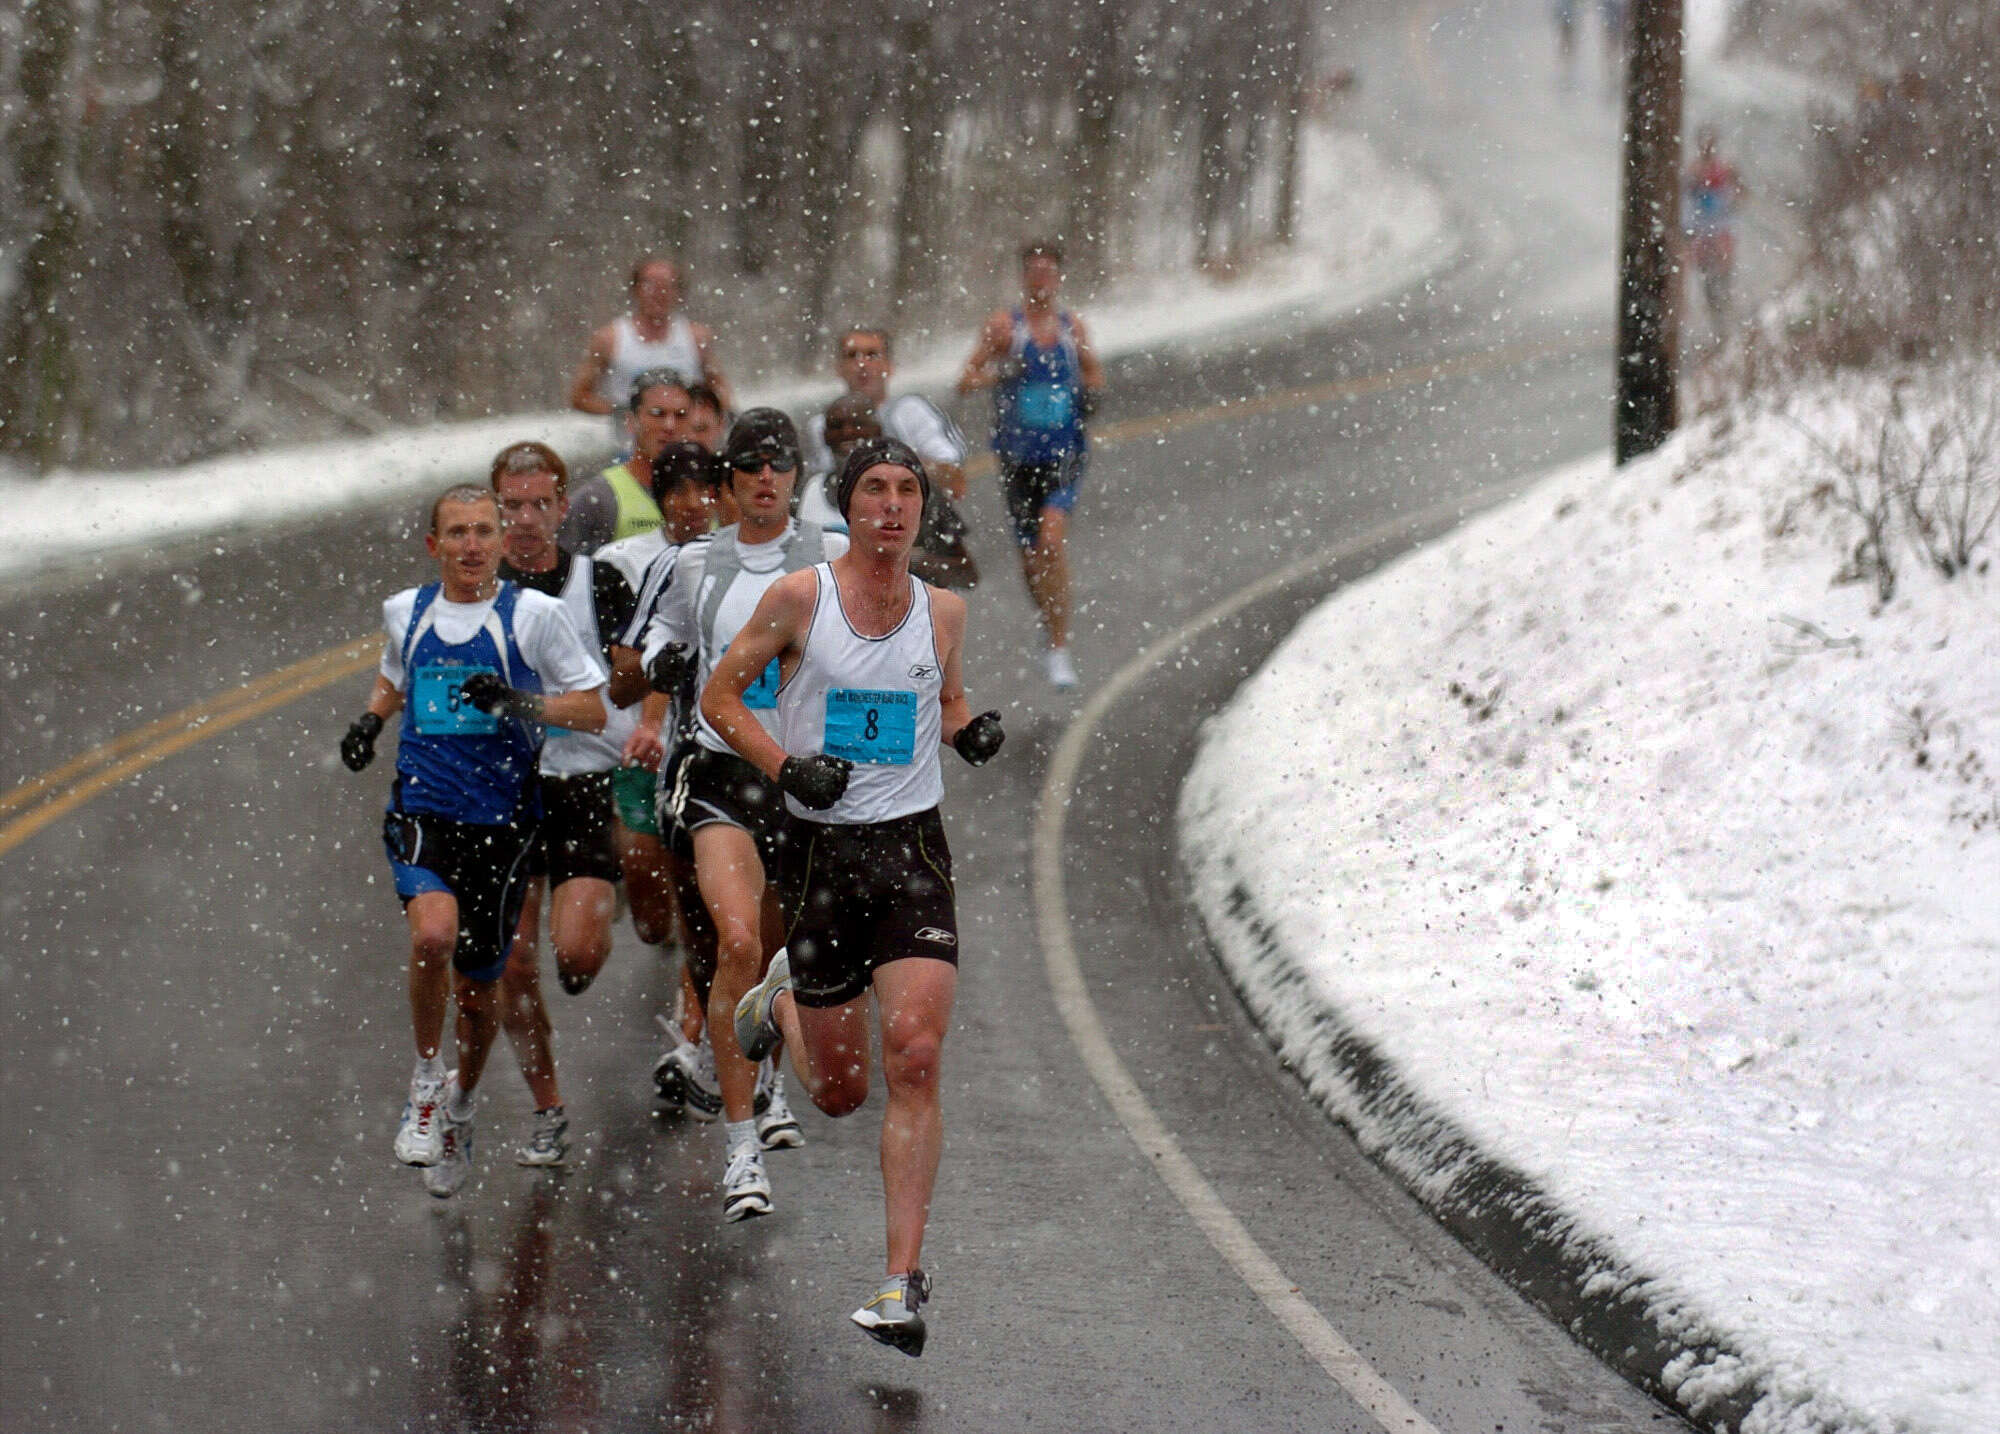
point(878, 728)
point(440, 711)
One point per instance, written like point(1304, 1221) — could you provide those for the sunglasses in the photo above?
point(782, 463)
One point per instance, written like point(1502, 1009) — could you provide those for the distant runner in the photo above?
point(864, 363)
point(476, 666)
point(1045, 378)
point(659, 877)
point(653, 335)
point(1712, 192)
point(871, 687)
point(734, 813)
point(618, 503)
point(844, 422)
point(575, 855)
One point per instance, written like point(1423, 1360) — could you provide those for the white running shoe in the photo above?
point(777, 1127)
point(548, 1139)
point(1062, 672)
point(746, 1189)
point(420, 1137)
point(447, 1177)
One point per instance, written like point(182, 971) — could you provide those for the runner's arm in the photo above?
point(645, 747)
point(995, 338)
point(776, 628)
point(948, 615)
point(628, 678)
point(711, 374)
point(583, 394)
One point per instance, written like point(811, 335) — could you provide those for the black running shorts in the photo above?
point(858, 897)
point(576, 837)
point(483, 867)
point(707, 787)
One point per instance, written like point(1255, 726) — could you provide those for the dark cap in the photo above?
point(874, 453)
point(760, 433)
point(685, 463)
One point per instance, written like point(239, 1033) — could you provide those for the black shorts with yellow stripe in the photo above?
point(859, 896)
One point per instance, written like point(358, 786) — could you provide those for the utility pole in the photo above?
point(1645, 410)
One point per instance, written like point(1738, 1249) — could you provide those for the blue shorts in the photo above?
point(485, 868)
point(1031, 487)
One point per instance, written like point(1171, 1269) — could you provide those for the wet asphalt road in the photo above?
point(206, 1036)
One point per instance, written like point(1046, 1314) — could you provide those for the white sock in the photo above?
point(741, 1133)
point(430, 1068)
point(461, 1104)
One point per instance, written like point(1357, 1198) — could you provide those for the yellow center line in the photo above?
point(139, 749)
point(35, 803)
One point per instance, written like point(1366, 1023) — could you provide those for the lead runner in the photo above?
point(870, 687)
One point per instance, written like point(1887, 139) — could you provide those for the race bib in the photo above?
point(871, 727)
point(1044, 405)
point(440, 711)
point(763, 693)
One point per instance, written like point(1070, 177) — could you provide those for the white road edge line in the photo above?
point(1383, 1402)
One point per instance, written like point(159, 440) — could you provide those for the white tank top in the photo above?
point(632, 356)
point(872, 700)
point(567, 753)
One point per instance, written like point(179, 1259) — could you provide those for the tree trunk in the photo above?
point(40, 400)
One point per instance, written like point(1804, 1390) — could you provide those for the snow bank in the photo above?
point(1668, 873)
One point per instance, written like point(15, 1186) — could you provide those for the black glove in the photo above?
point(357, 748)
point(488, 693)
point(671, 666)
point(1086, 404)
point(979, 739)
point(817, 781)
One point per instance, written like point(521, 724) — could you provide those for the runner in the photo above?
point(666, 909)
point(864, 364)
point(734, 815)
point(871, 687)
point(844, 423)
point(575, 855)
point(476, 666)
point(1712, 190)
point(618, 503)
point(708, 421)
point(1046, 379)
point(654, 335)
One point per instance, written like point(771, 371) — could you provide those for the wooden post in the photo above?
point(1645, 411)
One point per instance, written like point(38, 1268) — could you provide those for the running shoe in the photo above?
point(777, 1127)
point(1062, 672)
point(420, 1137)
point(746, 1189)
point(891, 1317)
point(446, 1178)
point(548, 1139)
point(757, 1035)
point(685, 1078)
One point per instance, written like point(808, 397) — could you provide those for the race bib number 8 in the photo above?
point(876, 728)
point(440, 711)
point(763, 693)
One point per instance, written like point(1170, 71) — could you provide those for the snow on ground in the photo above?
point(1373, 229)
point(1669, 872)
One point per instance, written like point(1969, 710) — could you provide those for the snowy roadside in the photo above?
point(1369, 231)
point(1661, 874)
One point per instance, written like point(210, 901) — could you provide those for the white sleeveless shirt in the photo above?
point(872, 700)
point(632, 356)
